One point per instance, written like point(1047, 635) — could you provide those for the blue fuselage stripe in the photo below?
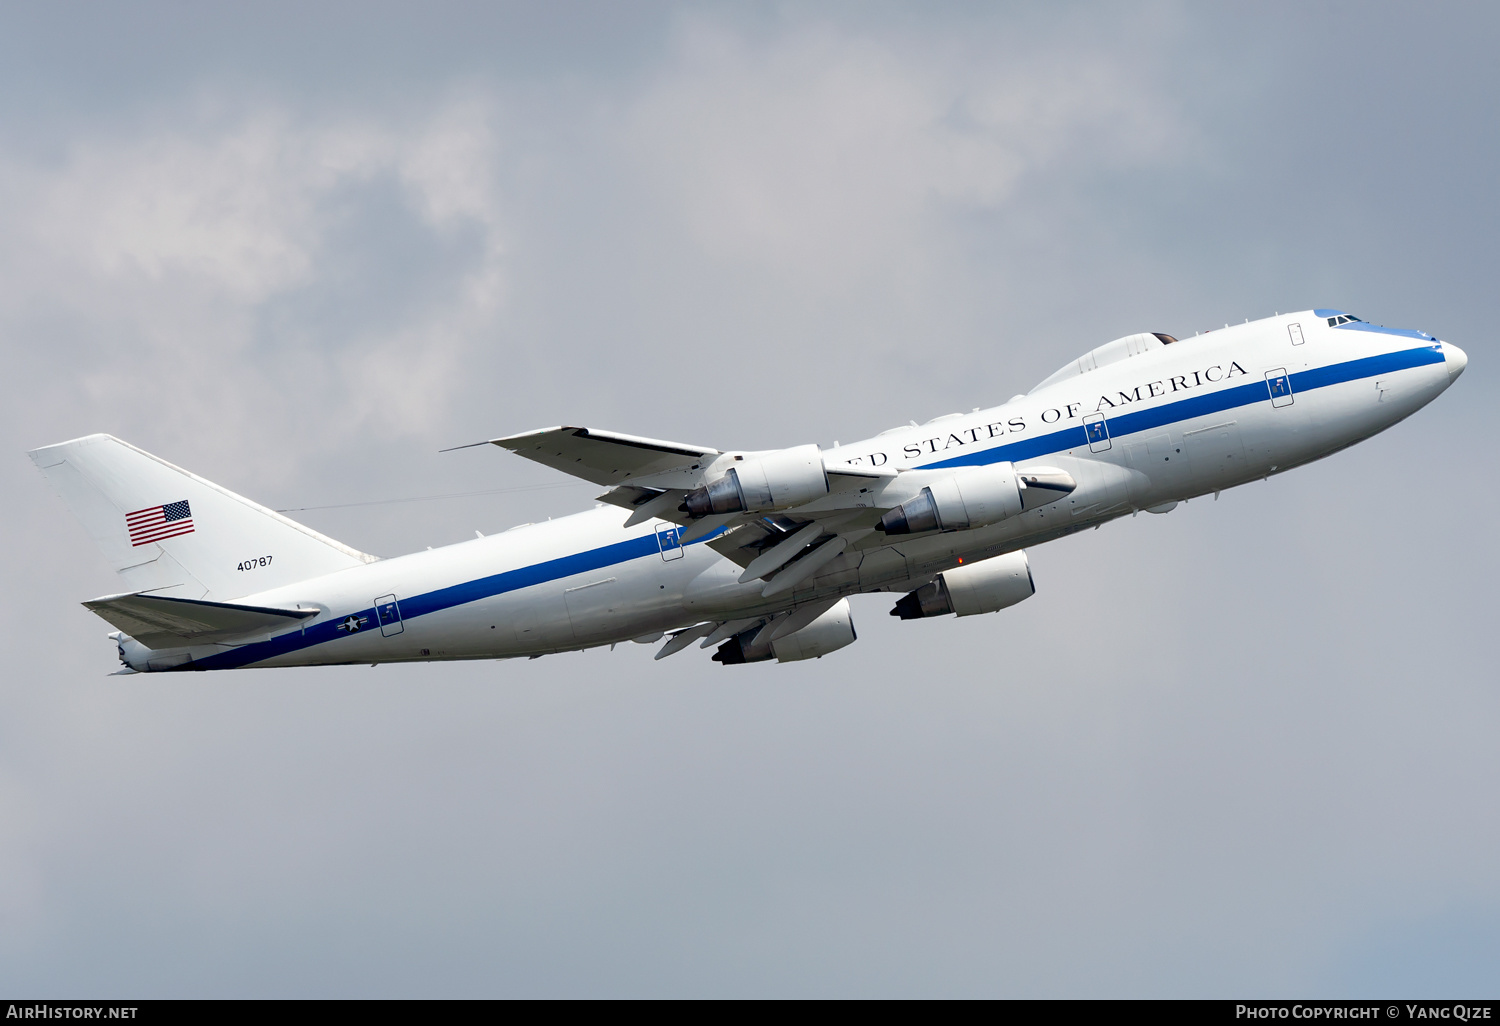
point(1248, 394)
point(635, 548)
point(443, 598)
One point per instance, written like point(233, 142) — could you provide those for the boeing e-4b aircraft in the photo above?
point(756, 552)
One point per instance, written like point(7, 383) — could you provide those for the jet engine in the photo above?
point(828, 633)
point(779, 480)
point(976, 497)
point(983, 587)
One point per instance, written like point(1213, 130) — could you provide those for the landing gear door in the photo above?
point(1279, 384)
point(388, 612)
point(1096, 431)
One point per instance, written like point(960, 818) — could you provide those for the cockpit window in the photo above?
point(1166, 340)
point(1334, 322)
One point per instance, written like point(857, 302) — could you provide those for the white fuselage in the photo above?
point(1201, 415)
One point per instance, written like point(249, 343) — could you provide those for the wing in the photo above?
point(603, 457)
point(157, 621)
point(784, 546)
point(650, 478)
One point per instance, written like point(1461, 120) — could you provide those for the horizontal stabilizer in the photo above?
point(603, 457)
point(158, 621)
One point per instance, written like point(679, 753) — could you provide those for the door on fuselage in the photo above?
point(669, 540)
point(388, 612)
point(1279, 384)
point(1096, 430)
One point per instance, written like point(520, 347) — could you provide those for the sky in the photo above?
point(1245, 749)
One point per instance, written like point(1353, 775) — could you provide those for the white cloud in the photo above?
point(1182, 805)
point(822, 152)
point(173, 244)
point(236, 211)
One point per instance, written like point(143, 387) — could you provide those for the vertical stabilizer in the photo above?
point(170, 532)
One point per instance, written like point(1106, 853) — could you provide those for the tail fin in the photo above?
point(173, 533)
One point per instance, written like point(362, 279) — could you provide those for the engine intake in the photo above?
point(780, 480)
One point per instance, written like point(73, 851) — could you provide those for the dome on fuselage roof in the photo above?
point(1110, 352)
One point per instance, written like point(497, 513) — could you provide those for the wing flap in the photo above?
point(158, 621)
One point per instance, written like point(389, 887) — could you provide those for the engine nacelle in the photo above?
point(983, 587)
point(969, 497)
point(976, 497)
point(828, 633)
point(779, 480)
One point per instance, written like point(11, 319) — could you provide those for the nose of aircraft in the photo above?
point(1456, 359)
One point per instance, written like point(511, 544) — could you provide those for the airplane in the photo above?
point(755, 552)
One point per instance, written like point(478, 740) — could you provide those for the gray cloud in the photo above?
point(1242, 748)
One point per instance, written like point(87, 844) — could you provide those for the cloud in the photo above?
point(176, 251)
point(824, 152)
point(1157, 776)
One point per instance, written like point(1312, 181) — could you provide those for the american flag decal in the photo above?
point(159, 522)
